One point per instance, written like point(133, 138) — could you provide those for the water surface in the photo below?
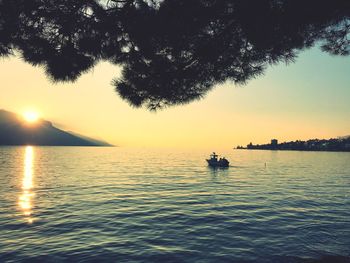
point(140, 205)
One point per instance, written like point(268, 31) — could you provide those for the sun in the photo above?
point(31, 116)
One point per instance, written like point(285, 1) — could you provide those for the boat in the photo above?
point(215, 162)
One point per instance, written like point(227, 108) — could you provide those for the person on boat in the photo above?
point(224, 161)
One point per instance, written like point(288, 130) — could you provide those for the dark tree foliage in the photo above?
point(172, 51)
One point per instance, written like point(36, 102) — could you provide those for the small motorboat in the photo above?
point(215, 162)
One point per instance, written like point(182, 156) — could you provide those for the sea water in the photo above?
point(86, 204)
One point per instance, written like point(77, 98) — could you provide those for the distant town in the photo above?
point(341, 144)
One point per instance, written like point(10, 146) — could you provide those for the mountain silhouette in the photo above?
point(15, 131)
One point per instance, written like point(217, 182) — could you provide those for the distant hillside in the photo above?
point(99, 142)
point(341, 144)
point(15, 131)
point(344, 137)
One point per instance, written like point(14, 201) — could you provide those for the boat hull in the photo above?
point(214, 163)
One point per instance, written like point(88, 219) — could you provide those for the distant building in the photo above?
point(274, 142)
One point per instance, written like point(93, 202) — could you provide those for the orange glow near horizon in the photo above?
point(301, 101)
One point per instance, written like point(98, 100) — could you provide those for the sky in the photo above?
point(303, 100)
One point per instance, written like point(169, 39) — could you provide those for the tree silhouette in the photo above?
point(171, 51)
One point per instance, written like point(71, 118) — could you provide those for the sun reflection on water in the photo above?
point(25, 199)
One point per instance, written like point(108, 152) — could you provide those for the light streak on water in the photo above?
point(27, 194)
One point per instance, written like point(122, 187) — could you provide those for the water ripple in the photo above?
point(137, 205)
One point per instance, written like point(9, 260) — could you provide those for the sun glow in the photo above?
point(31, 116)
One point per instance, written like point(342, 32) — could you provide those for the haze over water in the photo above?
point(142, 205)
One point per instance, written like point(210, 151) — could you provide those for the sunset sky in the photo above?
point(304, 100)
